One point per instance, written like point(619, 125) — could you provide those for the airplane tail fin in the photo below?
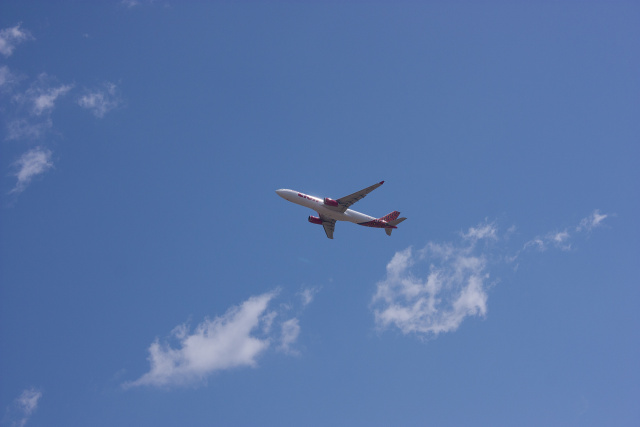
point(393, 222)
point(390, 217)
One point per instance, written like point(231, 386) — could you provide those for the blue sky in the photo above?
point(151, 276)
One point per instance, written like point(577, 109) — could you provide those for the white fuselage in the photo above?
point(318, 205)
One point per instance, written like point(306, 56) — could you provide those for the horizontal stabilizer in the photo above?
point(394, 223)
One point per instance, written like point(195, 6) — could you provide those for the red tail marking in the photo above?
point(390, 217)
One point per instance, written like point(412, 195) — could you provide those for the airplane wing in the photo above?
point(329, 225)
point(345, 202)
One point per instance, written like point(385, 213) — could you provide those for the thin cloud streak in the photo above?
point(592, 221)
point(130, 3)
point(23, 407)
point(561, 239)
point(483, 231)
point(32, 163)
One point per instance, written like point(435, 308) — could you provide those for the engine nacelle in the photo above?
point(315, 220)
point(330, 202)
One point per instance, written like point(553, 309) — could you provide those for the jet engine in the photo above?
point(315, 220)
point(330, 202)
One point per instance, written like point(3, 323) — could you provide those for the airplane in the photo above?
point(330, 210)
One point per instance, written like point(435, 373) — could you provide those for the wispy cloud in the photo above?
point(10, 37)
point(6, 78)
point(28, 129)
point(100, 101)
point(133, 3)
point(482, 231)
point(289, 335)
point(558, 239)
point(562, 239)
point(130, 3)
point(307, 295)
point(235, 339)
point(44, 101)
point(32, 163)
point(23, 407)
point(41, 96)
point(27, 110)
point(32, 119)
point(592, 221)
point(432, 290)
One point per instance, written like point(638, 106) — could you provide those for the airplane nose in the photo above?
point(280, 193)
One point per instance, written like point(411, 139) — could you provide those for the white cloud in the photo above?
point(130, 3)
point(232, 340)
point(24, 406)
point(592, 221)
point(100, 101)
point(28, 129)
point(453, 288)
point(537, 243)
point(10, 37)
point(133, 3)
point(222, 343)
point(32, 119)
point(307, 295)
point(482, 231)
point(289, 335)
point(433, 290)
point(45, 100)
point(42, 95)
point(6, 77)
point(267, 321)
point(560, 239)
point(34, 162)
